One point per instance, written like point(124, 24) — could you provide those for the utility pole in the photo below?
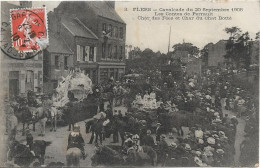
point(169, 39)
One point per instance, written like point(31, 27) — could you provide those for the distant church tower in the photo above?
point(26, 4)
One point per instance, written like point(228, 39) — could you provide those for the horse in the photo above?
point(105, 155)
point(96, 127)
point(23, 156)
point(38, 115)
point(20, 153)
point(123, 125)
point(39, 148)
point(148, 156)
point(180, 119)
point(24, 116)
point(73, 156)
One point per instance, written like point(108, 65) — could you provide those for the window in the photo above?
point(109, 51)
point(115, 52)
point(121, 52)
point(110, 29)
point(29, 80)
point(66, 63)
point(55, 84)
point(121, 33)
point(86, 53)
point(80, 50)
point(95, 54)
point(57, 63)
point(115, 31)
point(103, 50)
point(104, 27)
point(91, 54)
point(111, 73)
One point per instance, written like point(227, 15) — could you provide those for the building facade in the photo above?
point(95, 36)
point(19, 76)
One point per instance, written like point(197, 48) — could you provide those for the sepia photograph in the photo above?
point(129, 83)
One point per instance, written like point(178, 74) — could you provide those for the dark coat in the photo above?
point(75, 141)
point(148, 140)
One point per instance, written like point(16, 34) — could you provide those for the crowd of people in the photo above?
point(199, 102)
point(210, 141)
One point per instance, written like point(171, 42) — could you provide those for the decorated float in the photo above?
point(72, 97)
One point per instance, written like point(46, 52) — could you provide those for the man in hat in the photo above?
point(53, 118)
point(76, 140)
point(148, 139)
point(47, 104)
point(158, 131)
point(163, 149)
point(12, 124)
point(29, 139)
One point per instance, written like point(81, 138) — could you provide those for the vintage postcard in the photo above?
point(129, 83)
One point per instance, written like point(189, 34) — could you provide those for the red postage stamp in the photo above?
point(29, 29)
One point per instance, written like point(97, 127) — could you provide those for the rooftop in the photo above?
point(100, 8)
point(76, 28)
point(58, 45)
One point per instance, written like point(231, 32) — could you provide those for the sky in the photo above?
point(155, 34)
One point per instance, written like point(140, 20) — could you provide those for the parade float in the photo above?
point(72, 99)
point(77, 83)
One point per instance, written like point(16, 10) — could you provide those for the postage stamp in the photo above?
point(29, 29)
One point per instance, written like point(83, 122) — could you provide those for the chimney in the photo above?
point(26, 4)
point(111, 4)
point(58, 14)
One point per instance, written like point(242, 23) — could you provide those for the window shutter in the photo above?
point(86, 53)
point(78, 52)
point(95, 54)
point(81, 53)
point(23, 73)
point(35, 78)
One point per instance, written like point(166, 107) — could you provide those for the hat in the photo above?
point(143, 122)
point(76, 128)
point(158, 124)
point(216, 114)
point(128, 134)
point(207, 132)
point(148, 131)
point(208, 153)
point(211, 140)
point(199, 162)
point(173, 144)
point(200, 141)
point(198, 153)
point(135, 137)
point(215, 136)
point(221, 133)
point(220, 151)
point(187, 147)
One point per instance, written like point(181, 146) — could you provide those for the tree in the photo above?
point(238, 47)
point(257, 37)
point(233, 31)
point(192, 50)
point(257, 41)
point(205, 53)
point(135, 53)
